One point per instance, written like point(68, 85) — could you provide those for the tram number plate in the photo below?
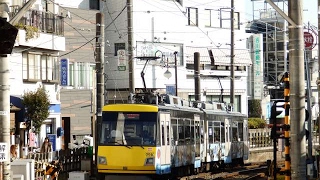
point(149, 154)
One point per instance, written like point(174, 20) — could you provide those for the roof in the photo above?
point(221, 56)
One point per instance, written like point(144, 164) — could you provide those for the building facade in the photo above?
point(34, 63)
point(160, 28)
point(78, 84)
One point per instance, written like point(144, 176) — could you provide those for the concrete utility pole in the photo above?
point(232, 56)
point(297, 91)
point(99, 53)
point(318, 80)
point(5, 100)
point(197, 87)
point(130, 48)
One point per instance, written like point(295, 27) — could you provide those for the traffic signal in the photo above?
point(307, 120)
point(8, 36)
point(277, 127)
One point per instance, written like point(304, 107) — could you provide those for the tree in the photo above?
point(254, 108)
point(37, 106)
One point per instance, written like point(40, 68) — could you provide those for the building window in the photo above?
point(81, 75)
point(118, 46)
point(192, 16)
point(212, 18)
point(94, 4)
point(40, 67)
point(225, 19)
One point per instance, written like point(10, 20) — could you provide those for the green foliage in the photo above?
point(255, 123)
point(31, 31)
point(37, 106)
point(254, 108)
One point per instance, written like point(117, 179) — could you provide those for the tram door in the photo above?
point(227, 132)
point(165, 138)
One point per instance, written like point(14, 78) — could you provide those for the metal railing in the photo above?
point(45, 22)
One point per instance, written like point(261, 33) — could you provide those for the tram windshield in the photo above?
point(128, 129)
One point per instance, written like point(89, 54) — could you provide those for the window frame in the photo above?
point(43, 74)
point(190, 17)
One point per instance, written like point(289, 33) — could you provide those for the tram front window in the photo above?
point(128, 128)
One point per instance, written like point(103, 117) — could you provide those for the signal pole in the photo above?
point(297, 91)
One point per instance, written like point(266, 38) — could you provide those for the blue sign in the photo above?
point(52, 139)
point(171, 89)
point(54, 108)
point(64, 72)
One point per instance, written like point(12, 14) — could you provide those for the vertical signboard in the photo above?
point(122, 60)
point(4, 149)
point(52, 139)
point(64, 72)
point(257, 66)
point(32, 140)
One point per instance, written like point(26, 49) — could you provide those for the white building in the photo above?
point(159, 28)
point(34, 62)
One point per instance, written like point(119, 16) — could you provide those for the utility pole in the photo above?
point(4, 96)
point(297, 91)
point(130, 48)
point(176, 71)
point(318, 80)
point(232, 56)
point(5, 100)
point(99, 53)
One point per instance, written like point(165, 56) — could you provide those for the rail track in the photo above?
point(249, 172)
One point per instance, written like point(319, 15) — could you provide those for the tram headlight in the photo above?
point(102, 160)
point(149, 162)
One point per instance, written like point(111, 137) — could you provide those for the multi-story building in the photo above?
point(34, 62)
point(160, 28)
point(77, 87)
point(273, 32)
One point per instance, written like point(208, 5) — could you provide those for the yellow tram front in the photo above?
point(126, 139)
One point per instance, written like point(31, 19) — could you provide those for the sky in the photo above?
point(309, 9)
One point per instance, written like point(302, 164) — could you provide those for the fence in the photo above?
point(260, 138)
point(70, 160)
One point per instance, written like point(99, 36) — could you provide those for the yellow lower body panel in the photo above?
point(115, 171)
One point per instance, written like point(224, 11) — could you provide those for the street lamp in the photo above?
point(168, 74)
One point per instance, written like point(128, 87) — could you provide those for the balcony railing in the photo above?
point(44, 21)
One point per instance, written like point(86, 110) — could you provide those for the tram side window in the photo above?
point(168, 133)
point(187, 131)
point(174, 131)
point(235, 132)
point(192, 132)
point(162, 133)
point(240, 127)
point(181, 133)
point(202, 132)
point(197, 129)
point(223, 135)
point(217, 132)
point(210, 129)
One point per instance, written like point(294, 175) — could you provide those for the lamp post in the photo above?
point(168, 74)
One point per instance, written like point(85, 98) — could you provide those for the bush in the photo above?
point(255, 123)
